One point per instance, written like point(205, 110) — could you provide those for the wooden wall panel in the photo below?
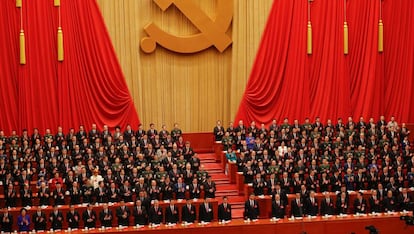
point(193, 90)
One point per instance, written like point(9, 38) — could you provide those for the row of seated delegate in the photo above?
point(113, 214)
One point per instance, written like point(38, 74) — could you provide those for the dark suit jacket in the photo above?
point(311, 208)
point(43, 200)
point(205, 215)
point(298, 210)
point(251, 212)
point(111, 197)
point(140, 217)
point(108, 215)
point(86, 216)
point(171, 216)
point(342, 207)
point(326, 208)
point(360, 207)
point(6, 226)
point(120, 212)
point(101, 198)
point(155, 215)
point(207, 188)
point(375, 205)
point(58, 197)
point(56, 220)
point(224, 214)
point(73, 219)
point(278, 210)
point(390, 204)
point(39, 221)
point(188, 215)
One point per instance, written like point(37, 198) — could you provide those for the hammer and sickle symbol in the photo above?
point(212, 32)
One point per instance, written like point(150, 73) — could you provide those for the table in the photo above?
point(384, 223)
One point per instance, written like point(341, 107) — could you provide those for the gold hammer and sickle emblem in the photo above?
point(212, 32)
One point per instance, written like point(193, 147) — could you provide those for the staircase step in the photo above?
point(206, 156)
point(219, 177)
point(237, 213)
point(212, 166)
point(223, 184)
point(207, 160)
point(226, 193)
point(236, 199)
point(227, 187)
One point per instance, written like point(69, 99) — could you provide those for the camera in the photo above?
point(372, 229)
point(409, 220)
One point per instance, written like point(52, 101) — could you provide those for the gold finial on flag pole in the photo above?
point(22, 41)
point(22, 47)
point(309, 34)
point(60, 38)
point(346, 42)
point(380, 31)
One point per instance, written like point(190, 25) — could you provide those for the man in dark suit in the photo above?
point(171, 213)
point(205, 211)
point(113, 193)
point(58, 195)
point(39, 219)
point(375, 203)
point(72, 217)
point(122, 214)
point(140, 213)
point(194, 189)
point(251, 208)
point(56, 218)
point(224, 210)
point(209, 188)
point(101, 193)
point(405, 200)
point(43, 195)
point(297, 206)
point(390, 203)
point(278, 207)
point(258, 185)
point(89, 217)
point(360, 204)
point(75, 194)
point(342, 203)
point(281, 192)
point(155, 213)
point(327, 205)
point(26, 196)
point(6, 221)
point(312, 206)
point(188, 212)
point(105, 216)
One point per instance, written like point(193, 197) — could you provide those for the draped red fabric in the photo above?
point(286, 82)
point(87, 87)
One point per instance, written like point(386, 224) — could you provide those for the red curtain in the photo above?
point(87, 87)
point(286, 82)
